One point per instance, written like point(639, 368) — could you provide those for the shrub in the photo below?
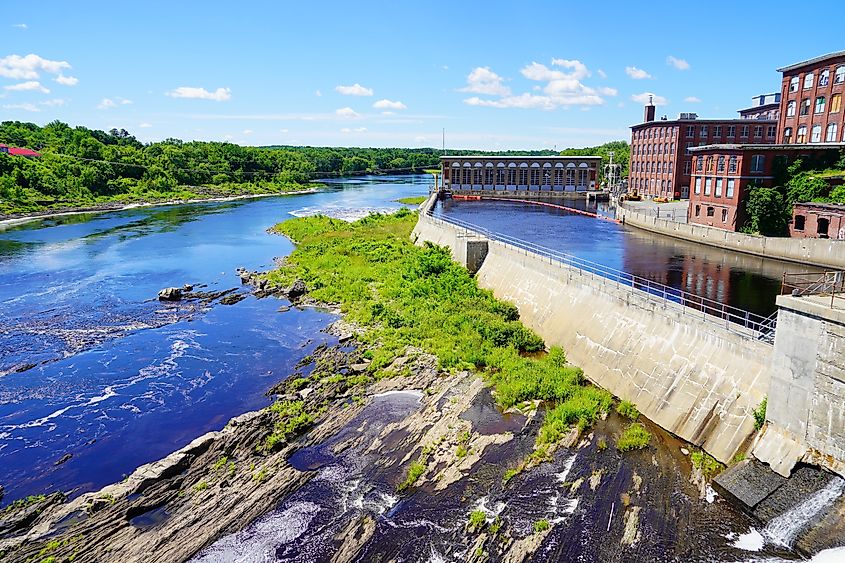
point(476, 521)
point(541, 525)
point(760, 414)
point(415, 471)
point(461, 452)
point(634, 437)
point(627, 409)
point(706, 463)
point(509, 474)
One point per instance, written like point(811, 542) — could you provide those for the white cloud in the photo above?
point(679, 64)
point(108, 103)
point(248, 131)
point(579, 69)
point(354, 90)
point(482, 80)
point(644, 97)
point(145, 125)
point(195, 93)
point(21, 26)
point(25, 107)
point(636, 73)
point(30, 85)
point(387, 104)
point(607, 91)
point(53, 103)
point(67, 80)
point(601, 73)
point(388, 113)
point(283, 131)
point(318, 93)
point(356, 130)
point(533, 101)
point(347, 112)
point(28, 67)
point(692, 100)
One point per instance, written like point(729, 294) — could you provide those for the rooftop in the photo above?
point(812, 61)
point(483, 156)
point(735, 120)
point(838, 207)
point(769, 147)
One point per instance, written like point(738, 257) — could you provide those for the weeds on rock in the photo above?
point(634, 437)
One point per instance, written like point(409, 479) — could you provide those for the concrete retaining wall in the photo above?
point(689, 376)
point(818, 252)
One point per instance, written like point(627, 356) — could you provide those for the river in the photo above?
point(97, 376)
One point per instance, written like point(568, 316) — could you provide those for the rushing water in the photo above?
point(93, 366)
point(744, 281)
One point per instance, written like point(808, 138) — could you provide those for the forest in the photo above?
point(82, 167)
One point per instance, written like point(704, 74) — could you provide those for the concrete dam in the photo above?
point(697, 371)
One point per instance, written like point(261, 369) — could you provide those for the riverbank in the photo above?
point(18, 219)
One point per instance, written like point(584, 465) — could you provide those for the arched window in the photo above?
point(793, 84)
point(839, 75)
point(790, 108)
point(824, 77)
point(808, 80)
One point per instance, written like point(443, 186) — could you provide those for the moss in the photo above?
point(510, 474)
point(634, 437)
point(476, 521)
point(415, 471)
point(708, 465)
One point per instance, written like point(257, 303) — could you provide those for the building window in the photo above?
point(730, 191)
point(790, 108)
point(672, 149)
point(703, 131)
point(717, 131)
point(732, 165)
point(800, 221)
point(830, 136)
point(816, 134)
point(699, 163)
point(808, 80)
point(824, 77)
point(670, 185)
point(690, 131)
point(743, 133)
point(820, 104)
point(787, 135)
point(802, 134)
point(793, 84)
point(719, 184)
point(687, 167)
point(711, 211)
point(823, 224)
point(731, 131)
point(771, 131)
point(758, 131)
point(697, 187)
point(708, 185)
point(757, 163)
point(720, 165)
point(835, 103)
point(709, 164)
point(724, 215)
point(697, 210)
point(805, 106)
point(839, 75)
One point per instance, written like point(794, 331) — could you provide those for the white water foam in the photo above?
point(832, 555)
point(750, 541)
point(785, 528)
point(258, 542)
point(567, 467)
point(491, 512)
point(343, 213)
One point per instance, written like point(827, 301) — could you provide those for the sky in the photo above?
point(495, 75)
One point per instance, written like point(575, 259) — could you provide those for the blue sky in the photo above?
point(495, 75)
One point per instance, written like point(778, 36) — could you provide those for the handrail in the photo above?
point(730, 317)
point(803, 283)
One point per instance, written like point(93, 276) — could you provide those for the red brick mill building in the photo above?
point(810, 125)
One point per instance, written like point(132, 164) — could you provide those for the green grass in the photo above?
point(760, 414)
point(634, 437)
point(412, 200)
point(201, 486)
point(541, 525)
point(708, 465)
point(509, 474)
point(406, 295)
point(476, 521)
point(461, 451)
point(415, 471)
point(291, 420)
point(23, 503)
point(627, 409)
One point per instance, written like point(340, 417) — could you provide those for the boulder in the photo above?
point(297, 290)
point(170, 294)
point(187, 287)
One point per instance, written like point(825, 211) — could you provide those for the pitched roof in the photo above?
point(15, 151)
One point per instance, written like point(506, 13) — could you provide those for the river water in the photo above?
point(97, 376)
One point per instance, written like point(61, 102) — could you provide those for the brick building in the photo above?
point(661, 161)
point(765, 106)
point(818, 220)
point(811, 101)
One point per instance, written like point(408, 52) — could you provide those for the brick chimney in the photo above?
point(649, 111)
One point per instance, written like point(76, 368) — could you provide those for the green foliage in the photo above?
point(461, 451)
point(476, 521)
point(496, 525)
point(415, 471)
point(627, 409)
point(509, 474)
point(291, 420)
point(768, 212)
point(621, 155)
point(760, 414)
point(706, 463)
point(23, 503)
point(581, 407)
point(201, 486)
point(634, 437)
point(737, 458)
point(541, 525)
point(417, 200)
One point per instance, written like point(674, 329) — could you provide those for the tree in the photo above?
point(768, 214)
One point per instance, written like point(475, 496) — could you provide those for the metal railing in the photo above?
point(823, 284)
point(670, 214)
point(739, 321)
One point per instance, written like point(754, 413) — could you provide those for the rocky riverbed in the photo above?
point(418, 465)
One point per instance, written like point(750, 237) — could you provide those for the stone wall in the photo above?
point(818, 252)
point(690, 376)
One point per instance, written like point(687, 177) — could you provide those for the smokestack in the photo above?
point(649, 111)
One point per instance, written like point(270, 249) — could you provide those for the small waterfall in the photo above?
point(785, 528)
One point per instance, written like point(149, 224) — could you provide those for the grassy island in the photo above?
point(405, 295)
